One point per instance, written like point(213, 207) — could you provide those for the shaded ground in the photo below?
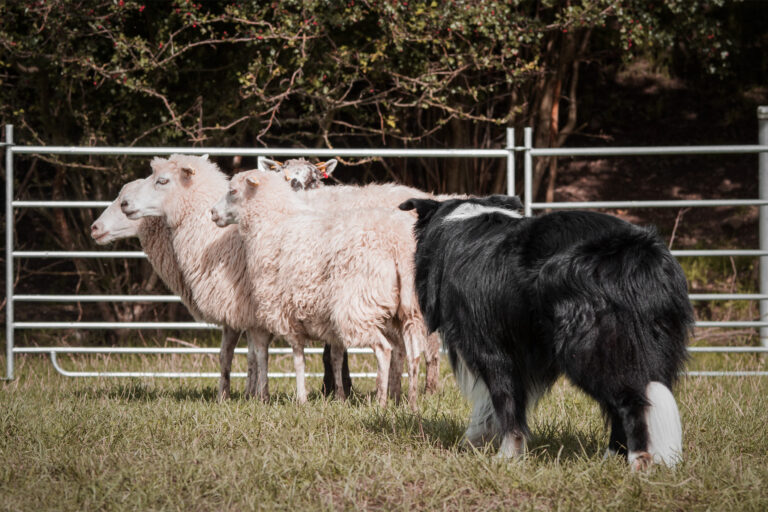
point(645, 108)
point(121, 444)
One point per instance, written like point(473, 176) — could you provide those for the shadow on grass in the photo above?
point(439, 430)
point(549, 442)
point(138, 391)
point(141, 392)
point(558, 441)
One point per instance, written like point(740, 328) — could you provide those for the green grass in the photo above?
point(85, 444)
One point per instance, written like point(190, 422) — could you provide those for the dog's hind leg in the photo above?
point(509, 397)
point(617, 445)
point(632, 412)
point(510, 408)
point(483, 425)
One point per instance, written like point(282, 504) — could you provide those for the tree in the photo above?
point(415, 73)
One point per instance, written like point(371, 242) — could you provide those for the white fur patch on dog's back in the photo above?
point(469, 210)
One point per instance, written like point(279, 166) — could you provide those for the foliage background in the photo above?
point(378, 73)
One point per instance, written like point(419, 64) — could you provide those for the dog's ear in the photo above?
point(424, 207)
point(502, 201)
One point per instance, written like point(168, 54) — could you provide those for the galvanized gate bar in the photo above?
point(652, 151)
point(677, 203)
point(9, 222)
point(762, 170)
point(510, 161)
point(203, 325)
point(97, 298)
point(169, 350)
point(529, 152)
point(297, 152)
point(61, 204)
point(117, 325)
point(277, 350)
point(79, 254)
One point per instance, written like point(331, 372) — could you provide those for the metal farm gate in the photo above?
point(508, 153)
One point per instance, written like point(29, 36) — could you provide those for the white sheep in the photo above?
point(155, 240)
point(181, 190)
point(303, 175)
point(342, 276)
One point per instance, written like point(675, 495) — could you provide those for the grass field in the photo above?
point(113, 444)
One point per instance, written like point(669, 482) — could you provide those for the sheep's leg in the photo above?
point(229, 339)
point(329, 382)
point(383, 352)
point(297, 344)
point(415, 340)
point(396, 372)
point(337, 367)
point(328, 375)
point(258, 361)
point(432, 360)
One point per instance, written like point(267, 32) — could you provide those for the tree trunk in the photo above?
point(561, 55)
point(455, 168)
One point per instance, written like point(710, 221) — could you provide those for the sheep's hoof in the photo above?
point(640, 461)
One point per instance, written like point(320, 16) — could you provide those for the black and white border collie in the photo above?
point(519, 301)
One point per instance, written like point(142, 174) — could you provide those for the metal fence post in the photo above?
point(762, 139)
point(528, 167)
point(510, 161)
point(9, 251)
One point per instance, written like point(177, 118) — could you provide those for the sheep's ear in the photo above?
point(424, 207)
point(326, 168)
point(252, 181)
point(502, 201)
point(268, 165)
point(188, 171)
point(205, 157)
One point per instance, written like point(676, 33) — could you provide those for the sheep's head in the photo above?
point(112, 224)
point(301, 173)
point(242, 187)
point(169, 178)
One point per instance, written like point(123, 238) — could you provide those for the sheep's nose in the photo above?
point(214, 215)
point(124, 203)
point(94, 227)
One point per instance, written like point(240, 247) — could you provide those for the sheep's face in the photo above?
point(301, 173)
point(167, 179)
point(227, 210)
point(112, 224)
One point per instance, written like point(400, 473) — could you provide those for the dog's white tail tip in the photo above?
point(665, 432)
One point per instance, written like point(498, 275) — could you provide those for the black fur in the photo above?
point(522, 301)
